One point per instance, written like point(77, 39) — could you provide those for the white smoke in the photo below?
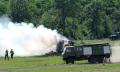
point(25, 39)
point(115, 57)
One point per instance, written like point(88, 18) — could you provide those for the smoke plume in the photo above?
point(115, 57)
point(25, 39)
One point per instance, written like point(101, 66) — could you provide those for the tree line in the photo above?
point(75, 19)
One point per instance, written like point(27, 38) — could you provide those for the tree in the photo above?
point(75, 19)
point(50, 19)
point(20, 11)
point(44, 8)
point(66, 8)
point(3, 8)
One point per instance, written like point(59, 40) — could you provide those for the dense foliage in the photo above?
point(76, 19)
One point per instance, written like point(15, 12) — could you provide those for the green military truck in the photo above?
point(115, 36)
point(94, 53)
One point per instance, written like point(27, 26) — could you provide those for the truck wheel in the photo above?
point(70, 60)
point(67, 62)
point(89, 60)
point(100, 59)
point(93, 60)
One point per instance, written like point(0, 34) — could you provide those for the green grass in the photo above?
point(56, 64)
point(30, 61)
point(53, 64)
point(111, 42)
point(94, 41)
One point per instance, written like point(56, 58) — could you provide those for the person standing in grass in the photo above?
point(12, 53)
point(6, 55)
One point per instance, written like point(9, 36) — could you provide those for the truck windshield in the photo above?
point(68, 49)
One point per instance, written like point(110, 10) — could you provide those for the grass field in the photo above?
point(52, 64)
point(56, 64)
point(94, 41)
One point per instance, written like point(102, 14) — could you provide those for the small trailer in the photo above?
point(94, 53)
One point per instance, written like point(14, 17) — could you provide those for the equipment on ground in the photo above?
point(94, 53)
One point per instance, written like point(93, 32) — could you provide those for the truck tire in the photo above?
point(92, 60)
point(100, 59)
point(72, 61)
point(66, 61)
point(69, 60)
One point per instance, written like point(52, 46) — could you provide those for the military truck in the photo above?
point(94, 53)
point(115, 36)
